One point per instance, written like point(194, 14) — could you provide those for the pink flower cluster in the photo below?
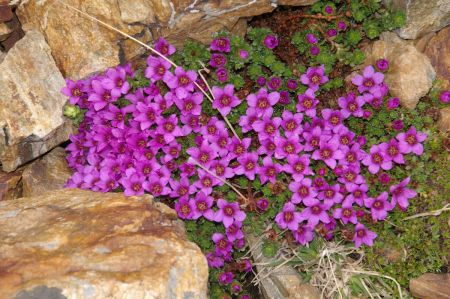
point(129, 141)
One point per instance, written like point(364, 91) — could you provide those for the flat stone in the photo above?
point(410, 75)
point(283, 283)
point(31, 105)
point(72, 243)
point(50, 172)
point(11, 185)
point(423, 17)
point(444, 119)
point(431, 286)
point(438, 50)
point(136, 11)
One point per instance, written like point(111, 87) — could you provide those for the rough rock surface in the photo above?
point(285, 282)
point(79, 244)
point(50, 172)
point(31, 105)
point(10, 185)
point(444, 120)
point(431, 286)
point(438, 50)
point(81, 47)
point(410, 75)
point(423, 17)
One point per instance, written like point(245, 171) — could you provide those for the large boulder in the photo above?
point(438, 50)
point(50, 172)
point(81, 46)
point(31, 105)
point(11, 185)
point(80, 244)
point(431, 286)
point(422, 17)
point(410, 75)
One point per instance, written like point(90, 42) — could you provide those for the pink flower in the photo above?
point(411, 141)
point(401, 195)
point(314, 77)
point(224, 99)
point(228, 212)
point(363, 236)
point(288, 217)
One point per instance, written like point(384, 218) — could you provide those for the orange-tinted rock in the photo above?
point(438, 50)
point(83, 244)
point(10, 185)
point(50, 172)
point(431, 286)
point(444, 119)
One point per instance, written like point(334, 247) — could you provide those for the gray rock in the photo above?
point(423, 16)
point(31, 105)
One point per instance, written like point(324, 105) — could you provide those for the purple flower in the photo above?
point(222, 74)
point(352, 155)
point(181, 82)
point(351, 105)
point(225, 278)
point(315, 212)
point(274, 83)
point(246, 121)
point(401, 195)
point(410, 141)
point(328, 152)
point(221, 169)
point(334, 119)
point(397, 124)
point(292, 84)
point(304, 234)
point(217, 60)
point(101, 97)
point(133, 184)
point(267, 128)
point(284, 97)
point(298, 167)
point(169, 128)
point(367, 114)
point(203, 154)
point(185, 208)
point(393, 103)
point(341, 25)
point(205, 182)
point(314, 77)
point(314, 50)
point(263, 101)
point(234, 231)
point(346, 213)
point(190, 105)
point(328, 9)
point(350, 175)
point(163, 47)
point(221, 44)
point(157, 68)
point(268, 171)
point(243, 54)
point(332, 32)
point(181, 188)
point(287, 146)
point(74, 90)
point(363, 236)
point(357, 194)
point(228, 212)
point(379, 206)
point(302, 191)
point(202, 206)
point(288, 217)
point(382, 64)
point(248, 165)
point(311, 38)
point(307, 103)
point(116, 82)
point(377, 159)
point(291, 123)
point(392, 151)
point(384, 178)
point(214, 261)
point(237, 147)
point(444, 96)
point(223, 246)
point(313, 138)
point(224, 99)
point(369, 81)
point(331, 194)
point(261, 81)
point(262, 204)
point(270, 41)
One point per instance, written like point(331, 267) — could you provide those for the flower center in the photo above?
point(201, 206)
point(173, 151)
point(368, 83)
point(315, 79)
point(164, 49)
point(392, 150)
point(291, 125)
point(182, 190)
point(250, 165)
point(315, 141)
point(270, 129)
point(212, 130)
point(222, 243)
point(357, 193)
point(147, 169)
point(220, 170)
point(218, 60)
point(136, 187)
point(204, 157)
point(299, 167)
point(185, 209)
point(345, 140)
point(350, 157)
point(169, 127)
point(119, 82)
point(263, 103)
point(119, 116)
point(225, 100)
point(106, 96)
point(151, 115)
point(303, 190)
point(316, 210)
point(377, 158)
point(184, 80)
point(228, 211)
point(141, 143)
point(325, 153)
point(157, 189)
point(334, 120)
point(270, 171)
point(349, 176)
point(352, 106)
point(289, 148)
point(346, 212)
point(329, 193)
point(378, 204)
point(411, 139)
point(361, 233)
point(288, 216)
point(239, 149)
point(76, 92)
point(207, 182)
point(189, 105)
point(160, 70)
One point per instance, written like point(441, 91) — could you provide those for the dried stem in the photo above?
point(319, 16)
point(149, 48)
point(222, 180)
point(431, 213)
